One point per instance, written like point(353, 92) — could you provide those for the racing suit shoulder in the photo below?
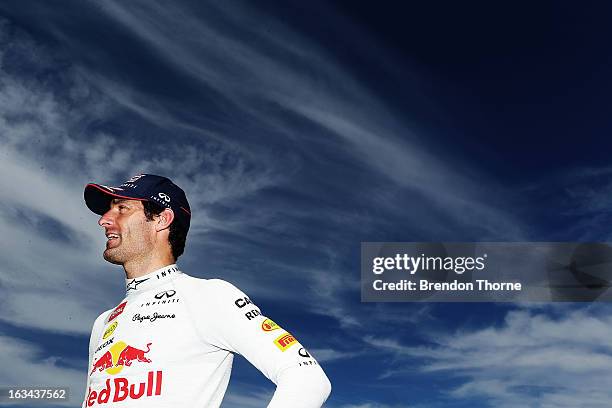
point(228, 319)
point(212, 294)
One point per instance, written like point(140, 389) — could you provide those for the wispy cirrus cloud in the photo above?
point(53, 129)
point(50, 148)
point(580, 199)
point(271, 86)
point(299, 163)
point(212, 50)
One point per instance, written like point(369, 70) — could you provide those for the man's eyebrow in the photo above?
point(119, 200)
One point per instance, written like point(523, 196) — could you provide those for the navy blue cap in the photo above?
point(142, 187)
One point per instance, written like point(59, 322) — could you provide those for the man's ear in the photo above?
point(164, 219)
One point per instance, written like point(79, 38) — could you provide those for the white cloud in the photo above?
point(532, 359)
point(40, 272)
point(375, 405)
point(254, 399)
point(327, 354)
point(48, 148)
point(48, 153)
point(214, 53)
point(306, 82)
point(47, 129)
point(25, 364)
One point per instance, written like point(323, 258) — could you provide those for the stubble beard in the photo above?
point(114, 256)
point(129, 249)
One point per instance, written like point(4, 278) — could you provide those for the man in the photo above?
point(170, 341)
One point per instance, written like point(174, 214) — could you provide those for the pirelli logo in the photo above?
point(284, 341)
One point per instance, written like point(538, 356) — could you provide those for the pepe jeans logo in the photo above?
point(151, 318)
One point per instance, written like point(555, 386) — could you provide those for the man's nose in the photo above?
point(106, 219)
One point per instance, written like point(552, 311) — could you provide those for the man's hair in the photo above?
point(178, 234)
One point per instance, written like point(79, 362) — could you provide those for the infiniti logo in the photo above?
point(168, 294)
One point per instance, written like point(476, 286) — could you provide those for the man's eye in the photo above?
point(122, 207)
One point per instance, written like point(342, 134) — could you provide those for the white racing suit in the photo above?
point(170, 343)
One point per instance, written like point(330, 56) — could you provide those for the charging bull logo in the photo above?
point(104, 362)
point(119, 356)
point(130, 354)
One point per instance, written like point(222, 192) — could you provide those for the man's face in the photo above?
point(129, 235)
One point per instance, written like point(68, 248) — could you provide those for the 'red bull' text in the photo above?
point(119, 389)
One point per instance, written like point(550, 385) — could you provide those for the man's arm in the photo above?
point(241, 328)
point(300, 388)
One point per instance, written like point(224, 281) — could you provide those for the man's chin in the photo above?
point(112, 258)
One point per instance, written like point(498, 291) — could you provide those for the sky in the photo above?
point(298, 131)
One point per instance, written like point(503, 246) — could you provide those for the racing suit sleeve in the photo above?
point(300, 388)
point(93, 339)
point(238, 326)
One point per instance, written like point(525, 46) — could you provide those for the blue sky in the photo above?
point(299, 131)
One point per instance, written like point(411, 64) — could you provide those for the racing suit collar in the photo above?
point(151, 280)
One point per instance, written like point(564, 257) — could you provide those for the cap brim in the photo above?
point(98, 197)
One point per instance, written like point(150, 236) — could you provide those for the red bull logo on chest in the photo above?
point(117, 389)
point(120, 355)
